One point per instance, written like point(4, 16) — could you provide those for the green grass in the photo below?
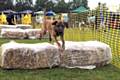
point(2, 41)
point(109, 72)
point(78, 34)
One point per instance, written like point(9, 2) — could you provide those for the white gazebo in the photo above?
point(39, 16)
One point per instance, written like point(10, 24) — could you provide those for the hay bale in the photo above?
point(4, 26)
point(29, 56)
point(87, 55)
point(21, 33)
point(13, 33)
point(33, 33)
point(23, 26)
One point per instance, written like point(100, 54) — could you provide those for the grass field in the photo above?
point(109, 72)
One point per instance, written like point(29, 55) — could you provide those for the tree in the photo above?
point(41, 4)
point(77, 3)
point(85, 3)
point(50, 5)
point(61, 6)
point(23, 5)
point(6, 4)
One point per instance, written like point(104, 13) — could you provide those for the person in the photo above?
point(10, 19)
point(3, 18)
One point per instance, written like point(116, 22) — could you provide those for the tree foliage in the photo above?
point(23, 5)
point(56, 5)
point(60, 5)
point(85, 3)
point(6, 4)
point(41, 4)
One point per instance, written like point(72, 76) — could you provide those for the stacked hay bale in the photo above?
point(8, 26)
point(33, 33)
point(13, 33)
point(23, 26)
point(85, 54)
point(29, 56)
point(21, 33)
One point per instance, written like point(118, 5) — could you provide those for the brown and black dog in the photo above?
point(55, 29)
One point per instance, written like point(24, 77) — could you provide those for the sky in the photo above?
point(112, 4)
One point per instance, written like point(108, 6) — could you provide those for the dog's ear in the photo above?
point(55, 22)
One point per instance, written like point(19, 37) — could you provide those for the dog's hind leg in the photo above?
point(50, 39)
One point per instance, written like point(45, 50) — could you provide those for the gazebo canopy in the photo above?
point(50, 13)
point(39, 12)
point(26, 11)
point(80, 9)
point(8, 11)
